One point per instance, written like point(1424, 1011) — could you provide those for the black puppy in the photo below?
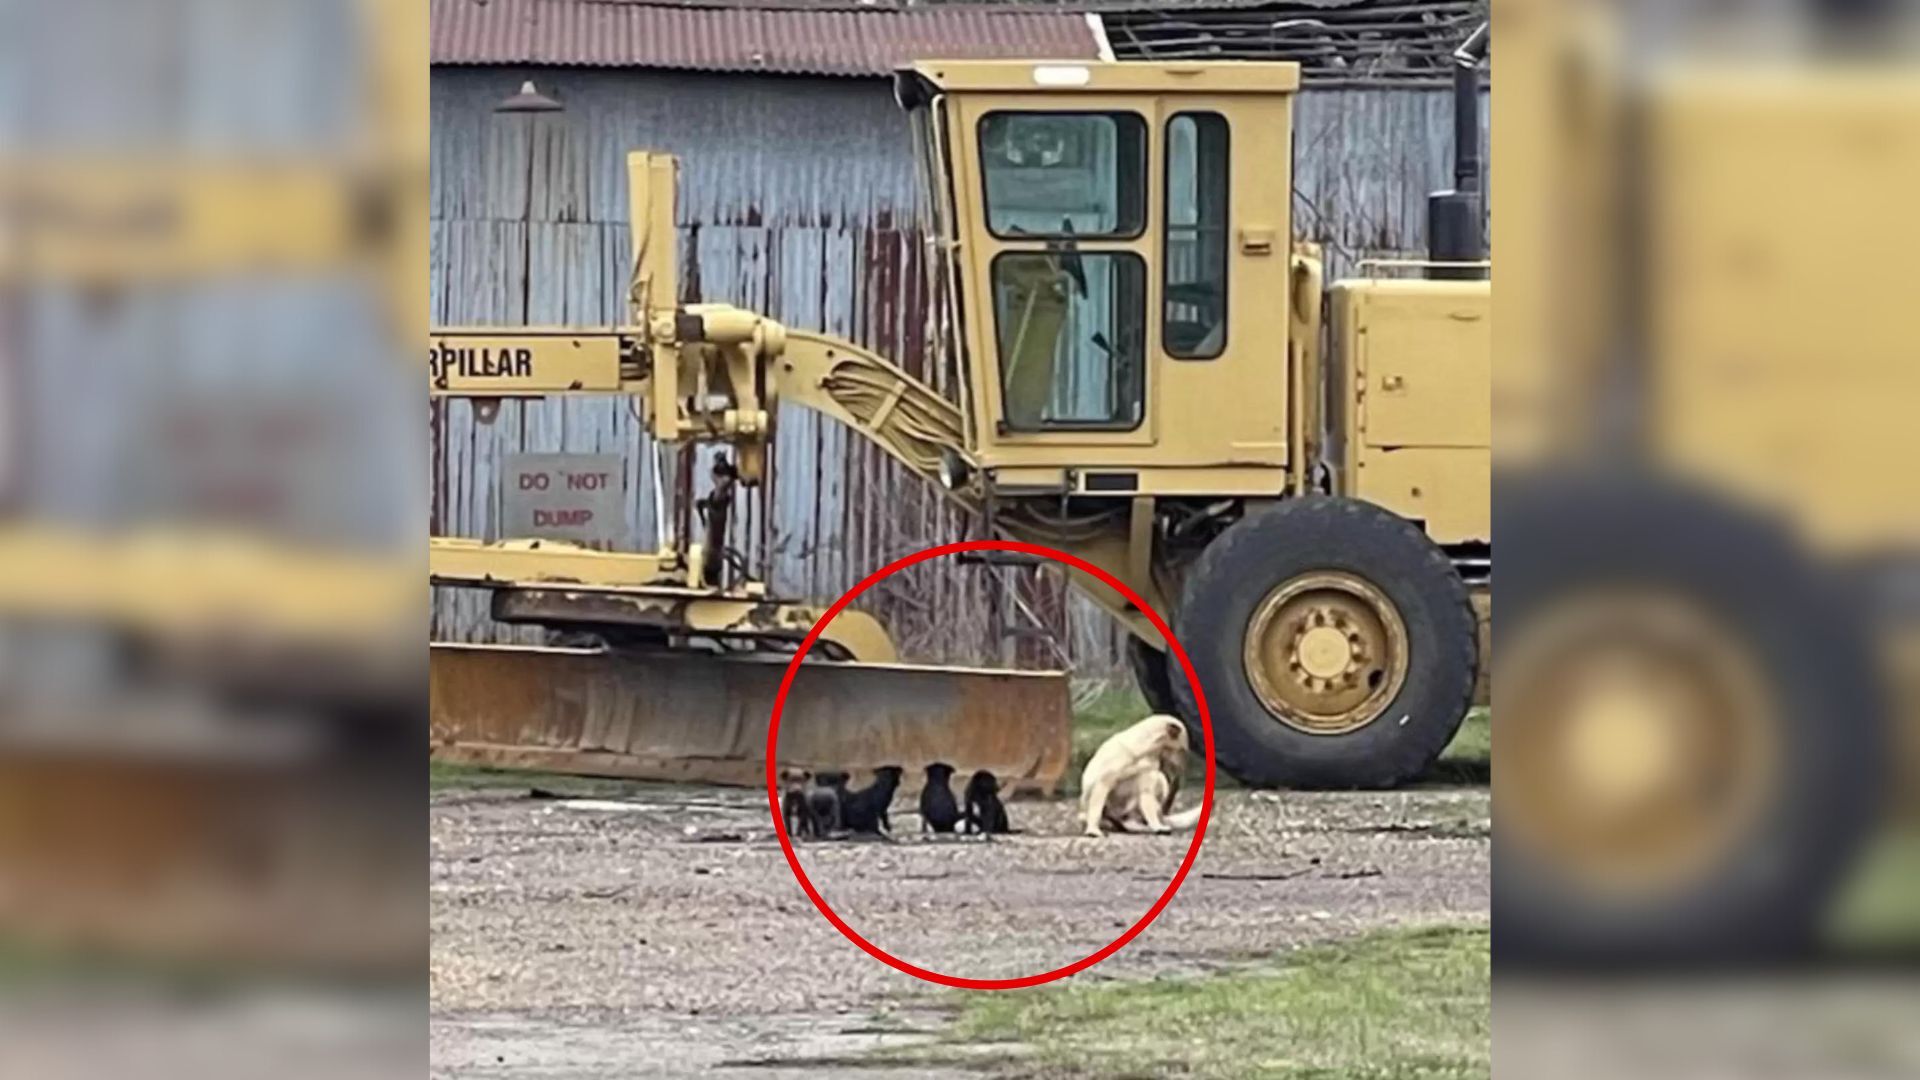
point(865, 811)
point(985, 812)
point(826, 800)
point(793, 803)
point(938, 811)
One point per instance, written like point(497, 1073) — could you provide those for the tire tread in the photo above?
point(1245, 544)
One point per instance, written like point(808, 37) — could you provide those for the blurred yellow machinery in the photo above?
point(1703, 379)
point(229, 788)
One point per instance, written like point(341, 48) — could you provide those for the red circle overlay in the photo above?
point(786, 842)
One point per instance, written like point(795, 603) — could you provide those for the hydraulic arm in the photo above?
point(705, 371)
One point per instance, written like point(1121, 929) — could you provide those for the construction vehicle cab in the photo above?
point(1148, 387)
point(1092, 208)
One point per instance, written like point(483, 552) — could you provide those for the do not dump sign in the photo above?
point(577, 497)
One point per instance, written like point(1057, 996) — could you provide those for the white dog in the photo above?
point(1131, 780)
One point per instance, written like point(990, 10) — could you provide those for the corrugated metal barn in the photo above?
point(798, 199)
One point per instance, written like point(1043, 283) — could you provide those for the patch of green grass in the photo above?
point(1102, 710)
point(1468, 759)
point(444, 775)
point(1106, 708)
point(27, 963)
point(1401, 1004)
point(453, 776)
point(1880, 908)
point(24, 962)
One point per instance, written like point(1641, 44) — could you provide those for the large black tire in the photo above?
point(1153, 675)
point(1233, 576)
point(1760, 894)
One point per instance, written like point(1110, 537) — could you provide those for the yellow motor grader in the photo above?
point(1145, 385)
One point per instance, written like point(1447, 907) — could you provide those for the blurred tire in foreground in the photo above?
point(1690, 725)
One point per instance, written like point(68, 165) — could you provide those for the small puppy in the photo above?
point(793, 802)
point(824, 802)
point(938, 812)
point(865, 811)
point(985, 812)
point(1131, 780)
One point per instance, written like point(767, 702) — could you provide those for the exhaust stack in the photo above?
point(1455, 230)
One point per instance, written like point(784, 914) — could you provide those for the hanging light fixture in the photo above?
point(528, 100)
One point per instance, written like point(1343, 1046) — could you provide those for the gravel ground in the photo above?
point(663, 934)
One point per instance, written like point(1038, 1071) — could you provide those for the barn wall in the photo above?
point(1364, 161)
point(797, 199)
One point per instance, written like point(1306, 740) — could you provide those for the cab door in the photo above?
point(1064, 241)
point(1225, 273)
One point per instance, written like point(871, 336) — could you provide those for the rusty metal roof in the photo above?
point(1378, 41)
point(1003, 6)
point(815, 41)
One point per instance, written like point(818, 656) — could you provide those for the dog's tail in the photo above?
point(1185, 819)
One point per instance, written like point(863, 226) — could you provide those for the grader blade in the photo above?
point(694, 717)
point(170, 851)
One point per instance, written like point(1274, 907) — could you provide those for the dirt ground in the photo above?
point(661, 932)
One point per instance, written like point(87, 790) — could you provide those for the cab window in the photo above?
point(1194, 290)
point(1064, 174)
point(1070, 326)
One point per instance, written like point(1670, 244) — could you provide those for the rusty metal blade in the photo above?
point(699, 717)
point(309, 863)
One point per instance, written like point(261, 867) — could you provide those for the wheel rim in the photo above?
point(1326, 652)
point(1640, 741)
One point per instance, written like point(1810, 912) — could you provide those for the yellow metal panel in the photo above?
point(1554, 181)
point(523, 363)
point(398, 95)
point(460, 561)
point(1063, 77)
point(1233, 409)
point(1307, 359)
point(187, 581)
point(728, 615)
point(1422, 363)
point(1219, 480)
point(653, 186)
point(116, 219)
point(1448, 488)
point(653, 192)
point(1784, 360)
